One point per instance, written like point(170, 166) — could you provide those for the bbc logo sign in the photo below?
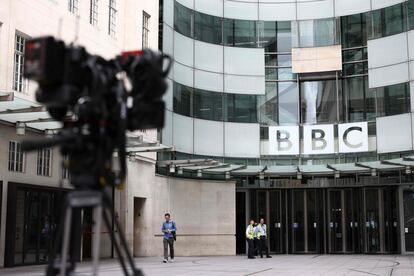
point(318, 139)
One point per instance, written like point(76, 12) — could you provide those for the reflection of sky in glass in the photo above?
point(288, 102)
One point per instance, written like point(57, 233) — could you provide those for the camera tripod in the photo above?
point(101, 204)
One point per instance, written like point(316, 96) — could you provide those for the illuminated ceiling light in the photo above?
point(172, 168)
point(180, 170)
point(261, 176)
point(20, 128)
point(49, 133)
point(199, 173)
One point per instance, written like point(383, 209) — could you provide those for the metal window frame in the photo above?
point(112, 18)
point(93, 12)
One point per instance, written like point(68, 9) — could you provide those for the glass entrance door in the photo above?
point(343, 221)
point(381, 220)
point(275, 223)
point(37, 217)
point(408, 201)
point(307, 220)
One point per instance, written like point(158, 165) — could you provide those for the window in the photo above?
point(241, 108)
point(355, 61)
point(112, 18)
point(359, 104)
point(208, 28)
point(240, 33)
point(315, 33)
point(93, 15)
point(318, 101)
point(354, 30)
point(145, 29)
point(44, 157)
point(393, 99)
point(410, 10)
point(268, 105)
point(183, 20)
point(208, 105)
point(182, 99)
point(388, 21)
point(18, 81)
point(288, 96)
point(73, 6)
point(16, 157)
point(65, 170)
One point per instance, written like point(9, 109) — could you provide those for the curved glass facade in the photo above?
point(305, 33)
point(335, 97)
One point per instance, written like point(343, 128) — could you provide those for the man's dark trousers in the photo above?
point(250, 251)
point(169, 242)
point(263, 246)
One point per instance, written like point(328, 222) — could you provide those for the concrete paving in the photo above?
point(286, 265)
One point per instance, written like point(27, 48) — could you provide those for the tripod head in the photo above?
point(89, 95)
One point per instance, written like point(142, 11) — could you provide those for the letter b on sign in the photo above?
point(283, 140)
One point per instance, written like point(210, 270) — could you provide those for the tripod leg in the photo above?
point(122, 239)
point(66, 237)
point(115, 243)
point(96, 240)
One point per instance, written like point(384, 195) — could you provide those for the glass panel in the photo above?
point(354, 30)
point(208, 105)
point(31, 236)
point(298, 221)
point(268, 104)
point(182, 99)
point(390, 221)
point(349, 221)
point(335, 220)
point(288, 95)
point(372, 220)
point(261, 205)
point(271, 60)
point(241, 108)
point(284, 60)
point(318, 101)
point(183, 18)
point(387, 21)
point(393, 100)
point(410, 9)
point(409, 220)
point(240, 33)
point(267, 35)
point(284, 36)
point(355, 54)
point(354, 90)
point(275, 222)
point(207, 28)
point(320, 32)
point(312, 220)
point(20, 226)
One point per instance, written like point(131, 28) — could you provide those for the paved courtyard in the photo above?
point(286, 265)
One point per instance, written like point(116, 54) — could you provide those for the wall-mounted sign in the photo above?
point(318, 139)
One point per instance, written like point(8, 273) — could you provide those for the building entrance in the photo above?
point(333, 220)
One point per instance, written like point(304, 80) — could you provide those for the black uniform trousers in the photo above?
point(263, 246)
point(250, 250)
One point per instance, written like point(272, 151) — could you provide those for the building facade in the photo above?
point(30, 183)
point(307, 105)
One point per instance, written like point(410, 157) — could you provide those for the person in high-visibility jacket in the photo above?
point(249, 237)
point(262, 236)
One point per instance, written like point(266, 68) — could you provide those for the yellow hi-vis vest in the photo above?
point(250, 232)
point(259, 227)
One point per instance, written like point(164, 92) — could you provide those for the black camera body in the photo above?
point(89, 95)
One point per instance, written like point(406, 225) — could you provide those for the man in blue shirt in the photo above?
point(168, 229)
